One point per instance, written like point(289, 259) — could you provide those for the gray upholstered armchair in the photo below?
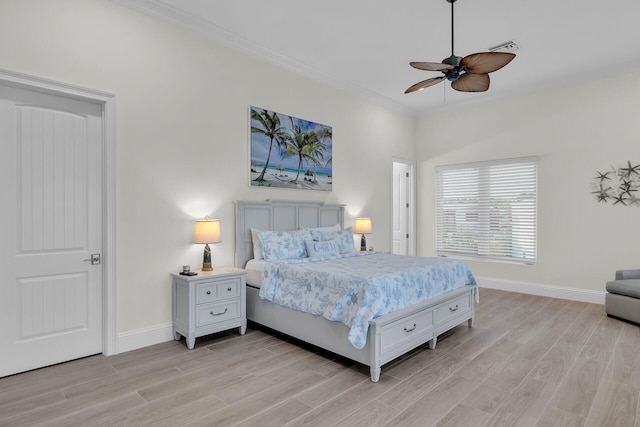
point(627, 274)
point(623, 296)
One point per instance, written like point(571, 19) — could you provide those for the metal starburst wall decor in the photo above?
point(619, 186)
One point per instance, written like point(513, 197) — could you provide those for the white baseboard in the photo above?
point(132, 340)
point(574, 294)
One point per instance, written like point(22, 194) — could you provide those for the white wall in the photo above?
point(575, 131)
point(182, 134)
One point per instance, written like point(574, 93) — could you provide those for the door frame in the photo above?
point(107, 100)
point(411, 222)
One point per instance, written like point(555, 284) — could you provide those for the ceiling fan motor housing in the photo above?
point(453, 75)
point(452, 60)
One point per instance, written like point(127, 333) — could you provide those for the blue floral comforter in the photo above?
point(355, 288)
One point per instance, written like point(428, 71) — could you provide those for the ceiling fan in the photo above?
point(468, 74)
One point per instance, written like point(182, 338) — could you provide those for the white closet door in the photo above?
point(400, 209)
point(51, 228)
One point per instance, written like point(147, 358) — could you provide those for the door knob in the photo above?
point(95, 259)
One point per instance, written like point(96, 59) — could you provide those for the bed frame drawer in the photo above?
point(408, 332)
point(451, 309)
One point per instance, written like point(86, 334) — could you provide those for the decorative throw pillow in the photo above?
point(283, 244)
point(322, 249)
point(344, 238)
point(321, 236)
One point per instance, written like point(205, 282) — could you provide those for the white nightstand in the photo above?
point(212, 301)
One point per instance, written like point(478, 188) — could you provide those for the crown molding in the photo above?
point(164, 12)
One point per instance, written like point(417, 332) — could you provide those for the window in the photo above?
point(488, 210)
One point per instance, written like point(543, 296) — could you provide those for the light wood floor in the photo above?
point(528, 361)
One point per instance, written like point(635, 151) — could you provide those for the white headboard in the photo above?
point(279, 215)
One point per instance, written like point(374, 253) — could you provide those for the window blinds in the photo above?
point(488, 210)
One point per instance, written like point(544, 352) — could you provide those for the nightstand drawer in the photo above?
point(212, 291)
point(212, 313)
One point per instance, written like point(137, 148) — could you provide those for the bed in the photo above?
point(388, 336)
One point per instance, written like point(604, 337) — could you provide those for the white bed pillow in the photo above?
point(344, 238)
point(257, 249)
point(322, 249)
point(283, 244)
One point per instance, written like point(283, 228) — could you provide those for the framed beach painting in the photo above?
point(289, 152)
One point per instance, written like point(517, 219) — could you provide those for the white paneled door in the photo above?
point(50, 228)
point(400, 208)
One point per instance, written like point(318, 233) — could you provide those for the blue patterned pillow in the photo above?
point(344, 239)
point(322, 249)
point(283, 244)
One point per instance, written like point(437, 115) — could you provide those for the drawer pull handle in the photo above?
point(218, 314)
point(208, 292)
point(410, 329)
point(229, 289)
point(454, 308)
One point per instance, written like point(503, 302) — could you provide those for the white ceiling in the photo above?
point(364, 46)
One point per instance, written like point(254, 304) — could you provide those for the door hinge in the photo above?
point(407, 205)
point(407, 235)
point(407, 174)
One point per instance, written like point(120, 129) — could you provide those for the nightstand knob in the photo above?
point(229, 289)
point(208, 292)
point(218, 314)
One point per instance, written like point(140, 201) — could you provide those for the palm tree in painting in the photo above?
point(294, 146)
point(326, 133)
point(314, 153)
point(299, 144)
point(270, 127)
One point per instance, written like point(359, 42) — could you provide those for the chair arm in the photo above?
point(627, 274)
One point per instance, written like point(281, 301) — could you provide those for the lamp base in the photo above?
point(206, 259)
point(363, 243)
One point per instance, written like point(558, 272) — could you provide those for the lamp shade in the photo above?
point(206, 231)
point(362, 226)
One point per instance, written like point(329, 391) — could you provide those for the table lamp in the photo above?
point(207, 231)
point(362, 226)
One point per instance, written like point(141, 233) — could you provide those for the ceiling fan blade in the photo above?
point(472, 83)
point(486, 62)
point(431, 66)
point(424, 84)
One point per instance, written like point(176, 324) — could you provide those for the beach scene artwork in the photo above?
point(289, 152)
